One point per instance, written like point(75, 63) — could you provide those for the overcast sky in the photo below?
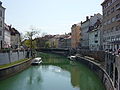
point(50, 16)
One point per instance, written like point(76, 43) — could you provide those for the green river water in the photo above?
point(56, 73)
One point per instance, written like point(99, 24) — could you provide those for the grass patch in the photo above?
point(13, 63)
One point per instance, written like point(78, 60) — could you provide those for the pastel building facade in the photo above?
point(75, 35)
point(2, 18)
point(111, 24)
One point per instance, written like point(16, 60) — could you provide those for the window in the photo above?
point(0, 23)
point(96, 35)
point(113, 28)
point(104, 13)
point(113, 19)
point(108, 12)
point(0, 33)
point(96, 41)
point(109, 21)
point(116, 76)
point(117, 28)
point(0, 13)
point(112, 10)
point(117, 16)
point(117, 5)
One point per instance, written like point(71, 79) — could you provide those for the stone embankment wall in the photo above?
point(63, 52)
point(11, 56)
point(112, 66)
point(97, 55)
point(12, 70)
point(99, 71)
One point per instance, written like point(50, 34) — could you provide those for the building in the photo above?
point(2, 18)
point(84, 41)
point(64, 41)
point(75, 35)
point(43, 42)
point(94, 33)
point(54, 41)
point(68, 42)
point(7, 37)
point(111, 38)
point(89, 22)
point(111, 24)
point(15, 38)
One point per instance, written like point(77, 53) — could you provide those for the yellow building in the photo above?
point(75, 35)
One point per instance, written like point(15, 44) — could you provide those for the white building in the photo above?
point(93, 19)
point(15, 38)
point(7, 37)
point(84, 41)
point(95, 36)
point(2, 18)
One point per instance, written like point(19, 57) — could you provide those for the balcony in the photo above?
point(118, 8)
point(118, 19)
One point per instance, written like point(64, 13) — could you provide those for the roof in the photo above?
point(6, 27)
point(1, 5)
point(104, 2)
point(13, 31)
point(95, 26)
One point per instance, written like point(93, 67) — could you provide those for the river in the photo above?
point(55, 73)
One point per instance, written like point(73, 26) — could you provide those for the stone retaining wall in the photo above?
point(12, 56)
point(112, 66)
point(12, 70)
point(97, 55)
point(99, 71)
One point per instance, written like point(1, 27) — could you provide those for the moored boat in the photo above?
point(37, 61)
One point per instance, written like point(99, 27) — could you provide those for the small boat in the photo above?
point(72, 57)
point(37, 61)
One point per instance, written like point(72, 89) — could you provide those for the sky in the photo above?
point(49, 16)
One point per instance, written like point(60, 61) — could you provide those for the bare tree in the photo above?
point(30, 35)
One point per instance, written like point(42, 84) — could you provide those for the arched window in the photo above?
point(0, 13)
point(119, 84)
point(111, 71)
point(0, 33)
point(116, 77)
point(0, 23)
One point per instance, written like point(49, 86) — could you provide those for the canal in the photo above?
point(56, 73)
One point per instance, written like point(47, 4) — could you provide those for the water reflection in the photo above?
point(56, 73)
point(81, 77)
point(34, 76)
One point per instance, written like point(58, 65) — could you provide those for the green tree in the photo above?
point(47, 44)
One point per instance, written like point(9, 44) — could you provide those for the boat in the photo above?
point(72, 57)
point(37, 61)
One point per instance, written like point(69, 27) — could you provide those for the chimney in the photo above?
point(0, 3)
point(81, 22)
point(87, 18)
point(91, 16)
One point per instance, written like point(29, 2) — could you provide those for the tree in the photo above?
point(27, 43)
point(47, 44)
point(30, 35)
